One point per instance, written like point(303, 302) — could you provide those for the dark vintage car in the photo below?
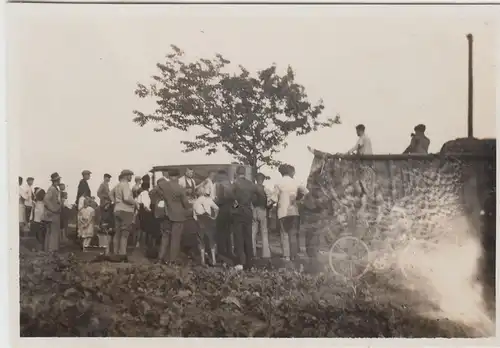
point(200, 170)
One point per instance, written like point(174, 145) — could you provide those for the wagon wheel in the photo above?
point(348, 257)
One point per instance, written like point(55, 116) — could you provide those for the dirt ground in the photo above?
point(70, 294)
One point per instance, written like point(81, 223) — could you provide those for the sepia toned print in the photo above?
point(229, 176)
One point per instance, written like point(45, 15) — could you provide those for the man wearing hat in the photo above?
point(83, 190)
point(245, 195)
point(103, 191)
point(419, 142)
point(176, 206)
point(124, 209)
point(83, 186)
point(52, 214)
point(106, 209)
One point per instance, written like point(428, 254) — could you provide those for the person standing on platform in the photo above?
point(364, 145)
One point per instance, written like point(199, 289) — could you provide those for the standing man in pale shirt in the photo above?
point(124, 209)
point(22, 208)
point(287, 194)
point(363, 145)
point(28, 201)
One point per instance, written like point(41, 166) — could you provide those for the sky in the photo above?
point(72, 72)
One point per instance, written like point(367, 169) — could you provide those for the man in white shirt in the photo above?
point(22, 207)
point(28, 196)
point(287, 193)
point(363, 145)
point(187, 181)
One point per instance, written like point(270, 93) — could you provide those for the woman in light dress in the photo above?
point(86, 217)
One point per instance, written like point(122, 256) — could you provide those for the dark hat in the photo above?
point(174, 172)
point(85, 172)
point(261, 176)
point(285, 169)
point(55, 176)
point(241, 170)
point(419, 128)
point(107, 175)
point(360, 127)
point(30, 178)
point(126, 172)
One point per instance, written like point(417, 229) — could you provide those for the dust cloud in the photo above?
point(446, 271)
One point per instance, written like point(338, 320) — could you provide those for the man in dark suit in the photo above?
point(176, 206)
point(245, 194)
point(83, 190)
point(224, 199)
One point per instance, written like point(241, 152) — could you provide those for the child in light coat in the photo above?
point(86, 216)
point(205, 212)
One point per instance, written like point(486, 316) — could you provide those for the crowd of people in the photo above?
point(228, 214)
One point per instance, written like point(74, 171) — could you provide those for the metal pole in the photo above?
point(470, 124)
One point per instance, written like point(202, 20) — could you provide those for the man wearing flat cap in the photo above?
point(82, 191)
point(83, 186)
point(419, 142)
point(52, 214)
point(106, 209)
point(103, 191)
point(124, 209)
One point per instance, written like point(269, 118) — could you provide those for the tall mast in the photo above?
point(470, 124)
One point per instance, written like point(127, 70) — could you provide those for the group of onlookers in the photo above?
point(227, 213)
point(44, 213)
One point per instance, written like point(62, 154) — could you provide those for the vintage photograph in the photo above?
point(252, 171)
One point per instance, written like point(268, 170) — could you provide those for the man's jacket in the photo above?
point(175, 199)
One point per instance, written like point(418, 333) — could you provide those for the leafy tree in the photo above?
point(249, 117)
